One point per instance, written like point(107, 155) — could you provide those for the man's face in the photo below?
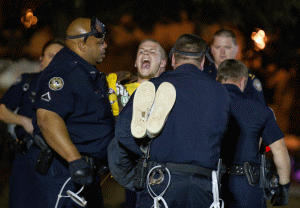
point(223, 48)
point(148, 60)
point(48, 55)
point(96, 50)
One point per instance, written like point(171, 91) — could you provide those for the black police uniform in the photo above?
point(20, 97)
point(253, 88)
point(191, 135)
point(77, 92)
point(248, 122)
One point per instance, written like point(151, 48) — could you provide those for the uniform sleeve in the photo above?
point(271, 132)
point(55, 94)
point(254, 89)
point(12, 98)
point(121, 164)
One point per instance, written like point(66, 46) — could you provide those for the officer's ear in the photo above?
point(243, 83)
point(173, 61)
point(236, 50)
point(81, 46)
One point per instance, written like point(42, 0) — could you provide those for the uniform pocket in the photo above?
point(58, 170)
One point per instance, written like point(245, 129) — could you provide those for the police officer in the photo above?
point(249, 121)
point(74, 119)
point(189, 144)
point(224, 46)
point(20, 97)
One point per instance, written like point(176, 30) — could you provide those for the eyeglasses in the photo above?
point(96, 27)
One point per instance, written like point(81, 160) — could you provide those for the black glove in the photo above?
point(282, 196)
point(81, 172)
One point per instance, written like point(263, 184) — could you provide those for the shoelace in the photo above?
point(74, 196)
point(217, 201)
point(158, 198)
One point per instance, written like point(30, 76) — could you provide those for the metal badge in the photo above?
point(56, 83)
point(257, 85)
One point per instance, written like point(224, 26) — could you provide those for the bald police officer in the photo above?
point(74, 118)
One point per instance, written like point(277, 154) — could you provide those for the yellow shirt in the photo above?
point(118, 94)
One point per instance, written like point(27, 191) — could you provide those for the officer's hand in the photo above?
point(282, 197)
point(27, 124)
point(81, 172)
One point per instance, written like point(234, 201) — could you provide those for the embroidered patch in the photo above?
point(56, 83)
point(46, 97)
point(124, 100)
point(257, 85)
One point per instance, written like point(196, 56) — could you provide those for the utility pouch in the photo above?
point(252, 172)
point(44, 161)
point(271, 185)
point(139, 180)
point(97, 169)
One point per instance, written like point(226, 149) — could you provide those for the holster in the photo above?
point(45, 156)
point(97, 168)
point(269, 180)
point(252, 172)
point(139, 180)
point(44, 161)
point(21, 144)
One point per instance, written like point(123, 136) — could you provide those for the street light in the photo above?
point(259, 39)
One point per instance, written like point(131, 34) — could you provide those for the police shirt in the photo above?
point(21, 95)
point(194, 127)
point(249, 120)
point(77, 92)
point(253, 88)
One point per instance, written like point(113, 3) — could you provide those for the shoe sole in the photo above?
point(143, 100)
point(163, 104)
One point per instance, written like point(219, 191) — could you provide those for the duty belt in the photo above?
point(186, 168)
point(236, 170)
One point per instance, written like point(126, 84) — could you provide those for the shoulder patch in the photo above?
point(257, 85)
point(56, 83)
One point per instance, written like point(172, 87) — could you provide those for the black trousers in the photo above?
point(238, 193)
point(186, 190)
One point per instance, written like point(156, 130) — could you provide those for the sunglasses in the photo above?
point(96, 27)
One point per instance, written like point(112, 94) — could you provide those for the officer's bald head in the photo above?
point(86, 43)
point(77, 27)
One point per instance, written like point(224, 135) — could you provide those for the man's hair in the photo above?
point(160, 48)
point(225, 33)
point(192, 44)
point(51, 42)
point(232, 69)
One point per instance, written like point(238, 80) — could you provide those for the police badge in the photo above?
point(257, 84)
point(56, 83)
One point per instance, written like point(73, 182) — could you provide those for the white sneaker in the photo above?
point(142, 103)
point(164, 100)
